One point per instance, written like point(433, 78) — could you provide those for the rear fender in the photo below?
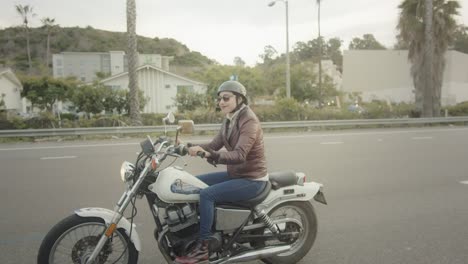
point(306, 192)
point(107, 215)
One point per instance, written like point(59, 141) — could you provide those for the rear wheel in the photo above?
point(74, 238)
point(302, 212)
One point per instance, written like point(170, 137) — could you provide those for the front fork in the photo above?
point(118, 214)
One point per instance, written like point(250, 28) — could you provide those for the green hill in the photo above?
point(13, 46)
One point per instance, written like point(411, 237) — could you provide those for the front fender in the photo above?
point(305, 192)
point(107, 215)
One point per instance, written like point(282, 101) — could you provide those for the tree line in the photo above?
point(28, 49)
point(44, 92)
point(425, 27)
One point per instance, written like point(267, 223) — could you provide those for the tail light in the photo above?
point(301, 178)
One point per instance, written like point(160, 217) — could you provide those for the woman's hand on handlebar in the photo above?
point(196, 150)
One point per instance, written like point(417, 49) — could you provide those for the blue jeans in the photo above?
point(223, 188)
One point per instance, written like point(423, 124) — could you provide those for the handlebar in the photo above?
point(171, 150)
point(200, 154)
point(181, 150)
point(161, 149)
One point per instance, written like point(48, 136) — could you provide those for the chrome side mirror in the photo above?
point(170, 118)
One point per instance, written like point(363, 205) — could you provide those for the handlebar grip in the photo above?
point(181, 150)
point(201, 154)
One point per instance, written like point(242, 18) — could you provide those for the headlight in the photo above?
point(126, 171)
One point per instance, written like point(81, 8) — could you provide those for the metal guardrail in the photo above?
point(214, 127)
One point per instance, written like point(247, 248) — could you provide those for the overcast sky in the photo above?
point(224, 29)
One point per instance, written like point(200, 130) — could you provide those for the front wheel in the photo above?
point(305, 214)
point(73, 240)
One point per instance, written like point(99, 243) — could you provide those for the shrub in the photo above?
point(376, 109)
point(460, 109)
point(265, 113)
point(202, 116)
point(288, 109)
point(109, 121)
point(43, 120)
point(68, 116)
point(403, 110)
point(284, 110)
point(6, 124)
point(18, 122)
point(152, 119)
point(329, 113)
point(69, 123)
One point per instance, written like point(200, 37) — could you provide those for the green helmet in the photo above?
point(234, 87)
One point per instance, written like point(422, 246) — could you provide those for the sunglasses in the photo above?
point(225, 98)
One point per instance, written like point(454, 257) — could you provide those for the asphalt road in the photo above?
point(395, 195)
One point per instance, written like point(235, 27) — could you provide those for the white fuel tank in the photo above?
point(174, 185)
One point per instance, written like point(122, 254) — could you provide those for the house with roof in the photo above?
point(10, 92)
point(158, 85)
point(85, 65)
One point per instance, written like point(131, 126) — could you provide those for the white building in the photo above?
point(10, 91)
point(85, 65)
point(329, 69)
point(385, 75)
point(158, 85)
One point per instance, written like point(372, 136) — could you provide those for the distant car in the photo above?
point(355, 108)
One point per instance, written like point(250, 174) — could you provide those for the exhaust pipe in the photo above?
point(254, 254)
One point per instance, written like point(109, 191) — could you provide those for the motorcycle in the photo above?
point(277, 226)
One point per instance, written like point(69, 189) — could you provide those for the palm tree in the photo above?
point(49, 25)
point(427, 28)
point(430, 93)
point(26, 13)
point(132, 63)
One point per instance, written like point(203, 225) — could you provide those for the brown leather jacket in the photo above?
point(245, 155)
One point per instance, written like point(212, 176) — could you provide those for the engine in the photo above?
point(182, 221)
point(179, 216)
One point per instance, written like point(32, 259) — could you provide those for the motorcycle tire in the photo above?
point(77, 226)
point(304, 243)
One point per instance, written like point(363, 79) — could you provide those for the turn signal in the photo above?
point(154, 163)
point(110, 230)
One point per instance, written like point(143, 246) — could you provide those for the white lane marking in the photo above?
point(331, 143)
point(421, 138)
point(464, 182)
point(54, 158)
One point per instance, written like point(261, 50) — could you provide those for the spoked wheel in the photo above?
point(73, 240)
point(304, 233)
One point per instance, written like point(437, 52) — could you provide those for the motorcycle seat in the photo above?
point(248, 204)
point(280, 179)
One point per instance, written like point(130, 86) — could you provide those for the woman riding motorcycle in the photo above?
point(246, 175)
